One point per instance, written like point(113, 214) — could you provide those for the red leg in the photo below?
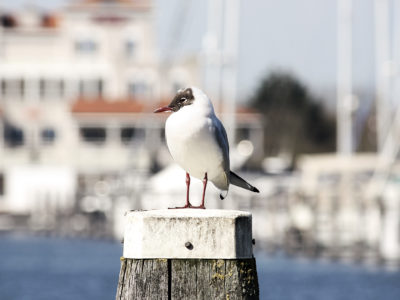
point(187, 205)
point(187, 189)
point(205, 179)
point(204, 190)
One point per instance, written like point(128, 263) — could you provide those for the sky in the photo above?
point(294, 36)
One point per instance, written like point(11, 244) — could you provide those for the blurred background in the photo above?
point(307, 91)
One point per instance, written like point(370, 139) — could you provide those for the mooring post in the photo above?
point(188, 254)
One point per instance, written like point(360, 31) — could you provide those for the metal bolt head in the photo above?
point(189, 245)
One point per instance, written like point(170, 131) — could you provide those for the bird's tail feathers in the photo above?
point(240, 182)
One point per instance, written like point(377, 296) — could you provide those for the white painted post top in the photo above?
point(188, 233)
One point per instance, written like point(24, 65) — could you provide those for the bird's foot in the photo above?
point(180, 207)
point(188, 206)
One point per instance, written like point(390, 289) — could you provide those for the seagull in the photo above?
point(198, 143)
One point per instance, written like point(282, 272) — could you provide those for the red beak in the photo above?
point(162, 109)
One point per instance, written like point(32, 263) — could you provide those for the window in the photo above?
point(61, 88)
point(51, 88)
point(162, 135)
point(86, 46)
point(91, 88)
point(12, 88)
point(93, 134)
point(81, 88)
point(21, 88)
point(99, 88)
point(138, 89)
point(127, 134)
point(3, 87)
point(242, 134)
point(13, 136)
point(130, 48)
point(48, 135)
point(42, 88)
point(1, 184)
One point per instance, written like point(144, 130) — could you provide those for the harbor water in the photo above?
point(55, 268)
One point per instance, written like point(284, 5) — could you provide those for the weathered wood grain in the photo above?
point(140, 278)
point(188, 279)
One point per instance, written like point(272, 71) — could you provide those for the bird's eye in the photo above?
point(183, 99)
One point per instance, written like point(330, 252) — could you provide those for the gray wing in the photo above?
point(222, 140)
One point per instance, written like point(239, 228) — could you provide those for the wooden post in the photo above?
point(188, 254)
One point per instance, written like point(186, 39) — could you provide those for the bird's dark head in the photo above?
point(182, 98)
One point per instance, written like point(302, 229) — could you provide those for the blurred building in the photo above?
point(77, 91)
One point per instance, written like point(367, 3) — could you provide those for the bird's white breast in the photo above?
point(192, 143)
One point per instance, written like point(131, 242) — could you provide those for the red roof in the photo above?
point(137, 4)
point(132, 106)
point(102, 106)
point(107, 1)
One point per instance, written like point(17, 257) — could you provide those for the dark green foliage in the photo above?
point(295, 121)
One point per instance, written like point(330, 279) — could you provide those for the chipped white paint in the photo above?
point(188, 233)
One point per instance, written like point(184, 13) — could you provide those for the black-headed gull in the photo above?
point(198, 142)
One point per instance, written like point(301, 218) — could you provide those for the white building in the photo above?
point(77, 87)
point(77, 91)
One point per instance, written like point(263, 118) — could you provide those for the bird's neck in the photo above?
point(199, 109)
